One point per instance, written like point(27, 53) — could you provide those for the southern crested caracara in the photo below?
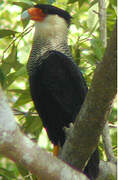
point(57, 86)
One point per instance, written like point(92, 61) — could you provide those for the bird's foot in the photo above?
point(69, 129)
point(56, 150)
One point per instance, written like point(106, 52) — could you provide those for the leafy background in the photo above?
point(15, 45)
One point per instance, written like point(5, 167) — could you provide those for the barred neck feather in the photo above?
point(51, 34)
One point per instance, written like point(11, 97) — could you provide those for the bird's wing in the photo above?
point(64, 80)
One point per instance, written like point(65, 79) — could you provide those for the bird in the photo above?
point(57, 85)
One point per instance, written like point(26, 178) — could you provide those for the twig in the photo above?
point(18, 112)
point(102, 20)
point(108, 144)
point(27, 30)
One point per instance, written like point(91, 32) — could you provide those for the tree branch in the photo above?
point(108, 144)
point(20, 149)
point(84, 136)
point(103, 36)
point(107, 171)
point(102, 20)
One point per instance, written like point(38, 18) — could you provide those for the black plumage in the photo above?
point(58, 88)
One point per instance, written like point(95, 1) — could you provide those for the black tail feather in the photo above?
point(92, 168)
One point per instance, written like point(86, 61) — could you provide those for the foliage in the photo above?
point(15, 46)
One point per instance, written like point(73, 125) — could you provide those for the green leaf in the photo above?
point(93, 2)
point(23, 98)
point(81, 2)
point(5, 68)
point(2, 77)
point(25, 173)
point(24, 4)
point(10, 61)
point(33, 125)
point(13, 76)
point(113, 2)
point(6, 173)
point(72, 1)
point(10, 79)
point(13, 55)
point(92, 17)
point(5, 32)
point(51, 1)
point(98, 49)
point(25, 22)
point(21, 72)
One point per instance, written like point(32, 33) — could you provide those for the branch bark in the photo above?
point(108, 144)
point(103, 36)
point(102, 20)
point(107, 171)
point(83, 137)
point(20, 149)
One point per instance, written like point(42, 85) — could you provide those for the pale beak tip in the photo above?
point(25, 15)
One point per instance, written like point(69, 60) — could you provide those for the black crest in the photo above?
point(48, 9)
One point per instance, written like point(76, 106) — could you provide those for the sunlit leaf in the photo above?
point(6, 173)
point(51, 1)
point(33, 125)
point(98, 48)
point(13, 76)
point(24, 172)
point(13, 55)
point(81, 2)
point(21, 71)
point(2, 77)
point(23, 4)
point(23, 98)
point(5, 32)
point(9, 62)
point(93, 3)
point(92, 16)
point(10, 79)
point(72, 1)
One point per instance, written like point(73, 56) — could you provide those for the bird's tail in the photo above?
point(92, 168)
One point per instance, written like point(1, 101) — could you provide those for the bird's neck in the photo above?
point(51, 41)
point(47, 39)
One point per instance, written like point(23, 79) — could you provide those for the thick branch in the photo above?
point(103, 36)
point(16, 146)
point(90, 121)
point(107, 171)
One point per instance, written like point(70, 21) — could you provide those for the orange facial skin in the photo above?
point(36, 14)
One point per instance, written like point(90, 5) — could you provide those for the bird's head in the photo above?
point(41, 11)
point(48, 18)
